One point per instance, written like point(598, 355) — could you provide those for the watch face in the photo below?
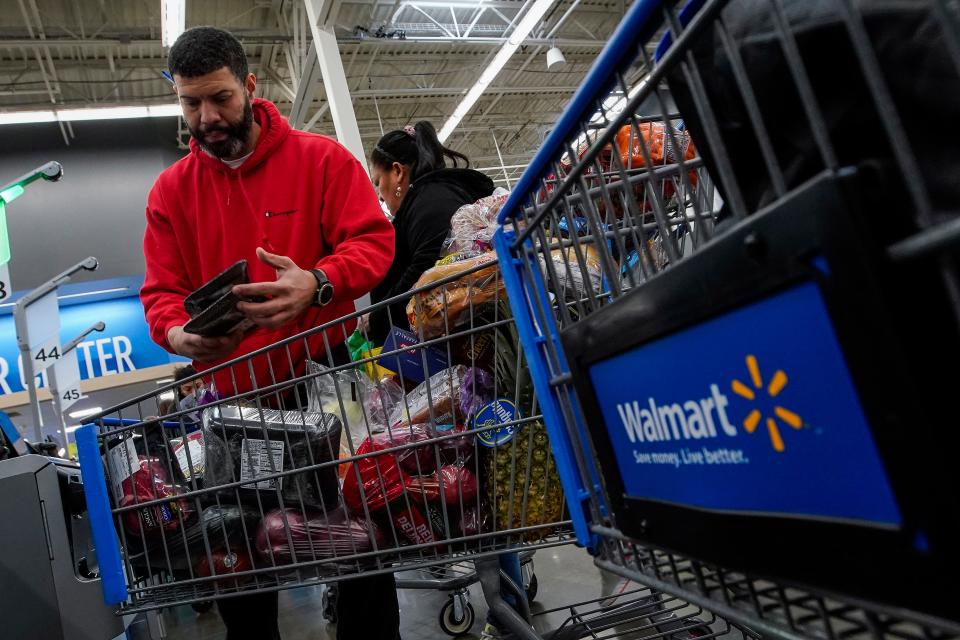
point(325, 294)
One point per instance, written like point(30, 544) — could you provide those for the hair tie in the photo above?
point(410, 131)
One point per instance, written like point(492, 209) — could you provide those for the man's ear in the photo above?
point(250, 85)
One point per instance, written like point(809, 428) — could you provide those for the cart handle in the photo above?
point(101, 521)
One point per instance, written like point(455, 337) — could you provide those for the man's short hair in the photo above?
point(202, 50)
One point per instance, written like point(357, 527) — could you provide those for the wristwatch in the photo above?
point(324, 289)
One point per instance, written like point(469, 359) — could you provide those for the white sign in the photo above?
point(122, 462)
point(66, 380)
point(45, 354)
point(6, 287)
point(43, 331)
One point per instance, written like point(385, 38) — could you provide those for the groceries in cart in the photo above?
point(434, 400)
point(577, 270)
point(225, 563)
point(147, 483)
point(253, 445)
point(444, 308)
point(287, 535)
point(473, 225)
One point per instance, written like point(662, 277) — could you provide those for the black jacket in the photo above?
point(422, 224)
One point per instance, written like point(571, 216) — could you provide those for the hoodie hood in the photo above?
point(274, 129)
point(473, 183)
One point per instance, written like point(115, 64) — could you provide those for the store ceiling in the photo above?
point(99, 52)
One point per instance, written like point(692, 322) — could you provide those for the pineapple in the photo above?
point(522, 480)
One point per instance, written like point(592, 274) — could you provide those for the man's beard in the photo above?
point(236, 135)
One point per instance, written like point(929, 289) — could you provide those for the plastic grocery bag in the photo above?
point(149, 482)
point(226, 523)
point(434, 401)
point(373, 481)
point(440, 309)
point(452, 484)
point(571, 281)
point(288, 535)
point(338, 393)
point(366, 407)
point(361, 348)
point(473, 225)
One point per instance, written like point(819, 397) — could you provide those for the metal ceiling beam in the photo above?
point(281, 38)
point(110, 62)
point(326, 56)
point(280, 82)
point(307, 87)
point(477, 40)
point(454, 92)
point(266, 55)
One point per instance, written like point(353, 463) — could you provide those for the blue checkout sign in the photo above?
point(125, 345)
point(752, 411)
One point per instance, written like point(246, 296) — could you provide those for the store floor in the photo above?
point(566, 575)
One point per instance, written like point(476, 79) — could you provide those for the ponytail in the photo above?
point(416, 147)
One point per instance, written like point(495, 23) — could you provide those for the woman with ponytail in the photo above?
point(422, 193)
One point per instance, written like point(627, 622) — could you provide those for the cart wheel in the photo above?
point(531, 588)
point(330, 604)
point(448, 618)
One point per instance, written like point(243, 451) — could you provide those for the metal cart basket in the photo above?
point(284, 471)
point(731, 264)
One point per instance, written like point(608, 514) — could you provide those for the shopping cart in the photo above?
point(428, 453)
point(732, 268)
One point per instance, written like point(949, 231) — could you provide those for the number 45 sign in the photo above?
point(65, 380)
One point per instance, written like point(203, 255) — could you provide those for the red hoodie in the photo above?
point(299, 195)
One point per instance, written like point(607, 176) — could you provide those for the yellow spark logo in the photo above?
point(777, 383)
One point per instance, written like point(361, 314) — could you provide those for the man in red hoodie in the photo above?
point(302, 211)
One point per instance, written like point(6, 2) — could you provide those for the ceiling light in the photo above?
point(555, 57)
point(173, 20)
point(27, 117)
point(111, 113)
point(93, 293)
point(519, 34)
point(164, 381)
point(93, 113)
point(83, 413)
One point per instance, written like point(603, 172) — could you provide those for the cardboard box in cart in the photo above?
point(410, 363)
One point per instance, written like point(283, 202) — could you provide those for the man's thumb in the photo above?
point(277, 262)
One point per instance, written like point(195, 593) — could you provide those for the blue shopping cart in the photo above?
point(732, 268)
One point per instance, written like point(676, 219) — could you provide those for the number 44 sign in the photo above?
point(43, 332)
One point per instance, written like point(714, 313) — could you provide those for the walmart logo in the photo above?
point(706, 417)
point(773, 389)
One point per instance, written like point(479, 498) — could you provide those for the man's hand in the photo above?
point(200, 348)
point(290, 294)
